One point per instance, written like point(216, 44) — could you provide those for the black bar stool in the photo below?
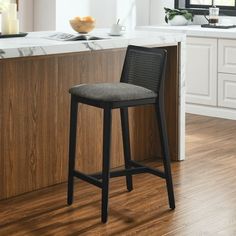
point(142, 82)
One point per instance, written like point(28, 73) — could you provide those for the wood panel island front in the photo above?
point(35, 75)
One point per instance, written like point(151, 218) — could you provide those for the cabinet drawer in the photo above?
point(227, 90)
point(227, 56)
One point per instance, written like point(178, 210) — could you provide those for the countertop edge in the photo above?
point(194, 31)
point(34, 45)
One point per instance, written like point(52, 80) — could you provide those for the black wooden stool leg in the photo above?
point(72, 149)
point(107, 121)
point(126, 145)
point(166, 157)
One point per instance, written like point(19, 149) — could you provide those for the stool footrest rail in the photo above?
point(138, 169)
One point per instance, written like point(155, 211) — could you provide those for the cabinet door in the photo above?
point(226, 90)
point(227, 56)
point(201, 71)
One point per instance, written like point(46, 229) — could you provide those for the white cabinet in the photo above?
point(227, 56)
point(201, 71)
point(227, 90)
point(227, 73)
point(211, 77)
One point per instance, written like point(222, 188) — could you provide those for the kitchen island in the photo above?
point(35, 75)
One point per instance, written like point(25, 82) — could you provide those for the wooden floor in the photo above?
point(205, 188)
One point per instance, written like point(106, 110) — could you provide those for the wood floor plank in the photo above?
point(205, 189)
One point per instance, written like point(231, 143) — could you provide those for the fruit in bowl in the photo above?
point(83, 24)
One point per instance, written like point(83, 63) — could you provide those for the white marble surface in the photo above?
point(35, 44)
point(193, 30)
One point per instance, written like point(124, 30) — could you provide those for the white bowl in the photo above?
point(178, 20)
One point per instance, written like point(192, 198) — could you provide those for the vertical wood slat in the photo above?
point(34, 118)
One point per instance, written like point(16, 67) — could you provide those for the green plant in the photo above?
point(171, 13)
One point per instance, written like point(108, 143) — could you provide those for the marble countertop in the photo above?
point(35, 43)
point(194, 30)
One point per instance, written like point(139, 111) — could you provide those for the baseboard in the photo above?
point(218, 112)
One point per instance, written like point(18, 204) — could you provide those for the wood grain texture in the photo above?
point(28, 125)
point(34, 118)
point(205, 189)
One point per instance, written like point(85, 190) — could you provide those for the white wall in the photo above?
point(142, 12)
point(44, 15)
point(126, 12)
point(55, 14)
point(106, 12)
point(67, 9)
point(26, 15)
point(157, 12)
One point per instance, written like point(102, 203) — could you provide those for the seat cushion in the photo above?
point(112, 92)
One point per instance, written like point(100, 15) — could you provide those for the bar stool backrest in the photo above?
point(144, 67)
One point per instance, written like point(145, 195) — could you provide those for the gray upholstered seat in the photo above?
point(112, 92)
